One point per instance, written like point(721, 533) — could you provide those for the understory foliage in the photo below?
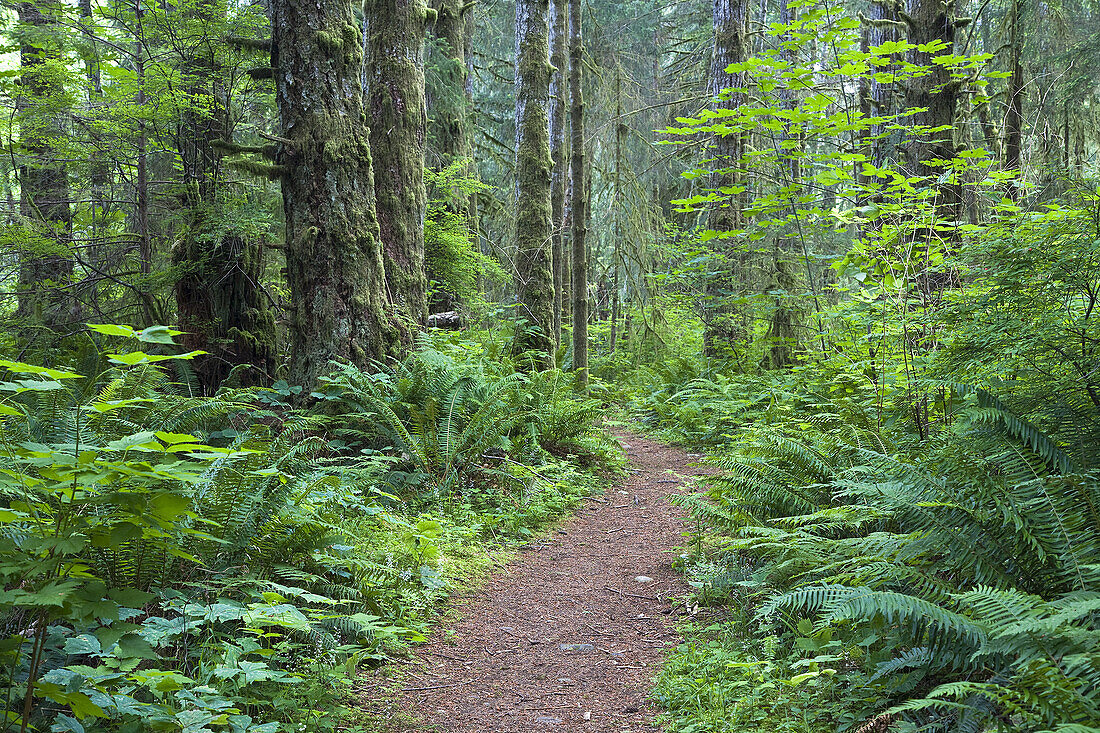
point(182, 563)
point(906, 554)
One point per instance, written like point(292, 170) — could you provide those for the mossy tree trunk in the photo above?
point(724, 325)
point(782, 331)
point(46, 267)
point(559, 171)
point(1014, 115)
point(578, 170)
point(448, 119)
point(333, 254)
point(533, 277)
point(397, 113)
point(221, 308)
point(935, 94)
point(447, 127)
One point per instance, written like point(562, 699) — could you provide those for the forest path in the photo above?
point(565, 637)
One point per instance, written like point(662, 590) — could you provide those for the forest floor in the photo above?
point(571, 633)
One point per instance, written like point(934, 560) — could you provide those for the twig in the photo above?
point(601, 633)
point(433, 687)
point(632, 595)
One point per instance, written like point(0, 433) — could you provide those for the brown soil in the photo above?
point(565, 637)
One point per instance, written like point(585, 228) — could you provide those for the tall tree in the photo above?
point(933, 97)
point(559, 172)
point(340, 309)
point(447, 124)
point(724, 326)
point(46, 263)
point(782, 335)
point(398, 120)
point(578, 171)
point(221, 307)
point(1014, 114)
point(533, 277)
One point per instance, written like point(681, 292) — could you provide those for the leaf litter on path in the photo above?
point(558, 639)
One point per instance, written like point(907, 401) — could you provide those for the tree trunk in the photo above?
point(578, 172)
point(1014, 115)
point(397, 113)
point(534, 280)
point(782, 339)
point(934, 93)
point(46, 267)
point(221, 308)
point(333, 254)
point(447, 128)
point(617, 231)
point(559, 173)
point(724, 325)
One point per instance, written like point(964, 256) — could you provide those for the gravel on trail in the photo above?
point(571, 633)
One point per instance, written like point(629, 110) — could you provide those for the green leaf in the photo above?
point(113, 329)
point(20, 368)
point(158, 335)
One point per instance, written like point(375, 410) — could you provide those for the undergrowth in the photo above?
point(180, 563)
point(903, 539)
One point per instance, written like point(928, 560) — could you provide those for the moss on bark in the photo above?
point(334, 256)
point(396, 110)
point(533, 279)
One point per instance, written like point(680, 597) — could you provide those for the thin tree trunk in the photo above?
point(559, 172)
point(46, 267)
point(578, 172)
point(397, 114)
point(333, 254)
point(617, 233)
point(533, 275)
point(782, 330)
point(723, 324)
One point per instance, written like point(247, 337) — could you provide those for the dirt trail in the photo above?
point(566, 637)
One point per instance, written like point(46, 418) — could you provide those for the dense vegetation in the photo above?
point(852, 251)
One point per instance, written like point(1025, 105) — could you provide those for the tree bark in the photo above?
point(936, 95)
point(578, 171)
point(333, 254)
point(46, 267)
point(782, 339)
point(397, 113)
point(533, 277)
point(220, 305)
point(447, 127)
point(559, 172)
point(724, 325)
point(1014, 115)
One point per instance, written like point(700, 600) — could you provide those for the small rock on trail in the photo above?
point(567, 636)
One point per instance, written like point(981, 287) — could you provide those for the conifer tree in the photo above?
point(333, 254)
point(578, 171)
point(46, 265)
point(533, 278)
point(397, 115)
